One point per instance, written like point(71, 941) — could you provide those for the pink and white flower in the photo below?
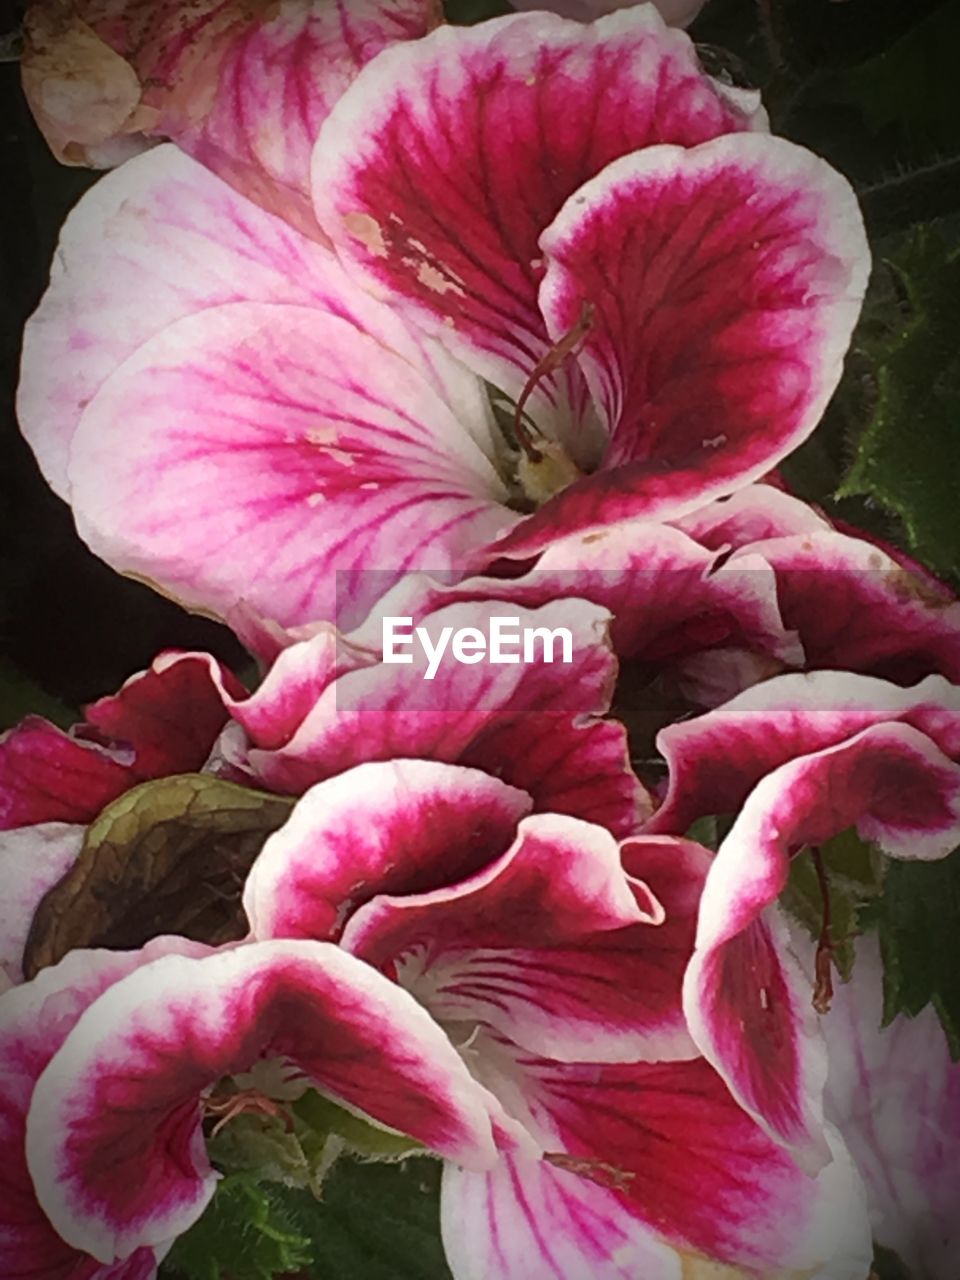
point(798, 760)
point(101, 1037)
point(554, 957)
point(265, 422)
point(243, 87)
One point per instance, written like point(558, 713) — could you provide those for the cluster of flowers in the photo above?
point(414, 320)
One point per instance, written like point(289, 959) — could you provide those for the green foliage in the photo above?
point(887, 1266)
point(467, 12)
point(854, 874)
point(908, 457)
point(917, 919)
point(20, 697)
point(375, 1221)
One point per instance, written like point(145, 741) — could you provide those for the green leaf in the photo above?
point(465, 13)
point(374, 1222)
point(887, 1266)
point(918, 919)
point(169, 856)
point(20, 696)
point(247, 1233)
point(908, 458)
point(854, 873)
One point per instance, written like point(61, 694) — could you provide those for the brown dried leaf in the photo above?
point(169, 856)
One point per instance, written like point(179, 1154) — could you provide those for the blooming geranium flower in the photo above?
point(219, 381)
point(554, 958)
point(242, 86)
point(108, 1060)
point(798, 760)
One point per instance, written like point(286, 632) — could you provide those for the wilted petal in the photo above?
point(744, 996)
point(242, 87)
point(164, 229)
point(32, 860)
point(716, 759)
point(663, 1147)
point(154, 1042)
point(438, 169)
point(894, 1093)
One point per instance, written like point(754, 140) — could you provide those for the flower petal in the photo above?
point(716, 759)
point(400, 826)
point(35, 1019)
point(538, 944)
point(165, 229)
point(662, 1147)
point(243, 88)
point(679, 13)
point(691, 376)
point(535, 724)
point(894, 1093)
point(155, 1041)
point(744, 996)
point(32, 860)
point(445, 159)
point(260, 465)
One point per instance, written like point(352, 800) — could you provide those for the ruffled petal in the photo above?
point(678, 13)
point(32, 860)
point(535, 724)
point(397, 827)
point(744, 996)
point(154, 1042)
point(653, 1154)
point(244, 88)
point(260, 466)
point(716, 759)
point(438, 169)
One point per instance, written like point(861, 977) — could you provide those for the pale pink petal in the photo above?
point(678, 13)
point(161, 239)
point(397, 827)
point(745, 260)
point(748, 1006)
point(535, 724)
point(442, 163)
point(35, 1019)
point(259, 451)
point(154, 1042)
point(32, 860)
point(894, 1093)
point(752, 514)
point(242, 87)
point(716, 759)
point(662, 1147)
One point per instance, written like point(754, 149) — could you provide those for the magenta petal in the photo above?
point(400, 826)
point(716, 759)
point(32, 860)
point(538, 945)
point(536, 725)
point(154, 1042)
point(696, 1172)
point(440, 166)
point(746, 262)
point(35, 1019)
point(260, 465)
